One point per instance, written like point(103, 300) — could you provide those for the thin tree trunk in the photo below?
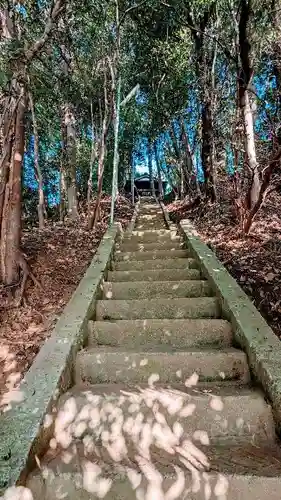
point(96, 215)
point(160, 183)
point(38, 173)
point(276, 58)
point(94, 152)
point(250, 148)
point(188, 157)
point(244, 80)
point(116, 114)
point(133, 183)
point(116, 95)
point(151, 178)
point(207, 150)
point(175, 142)
point(93, 220)
point(63, 162)
point(6, 153)
point(176, 174)
point(71, 187)
point(11, 216)
point(203, 73)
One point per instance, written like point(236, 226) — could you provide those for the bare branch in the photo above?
point(130, 95)
point(55, 12)
point(133, 7)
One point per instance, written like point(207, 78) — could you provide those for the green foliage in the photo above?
point(157, 51)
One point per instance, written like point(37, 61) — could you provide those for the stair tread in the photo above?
point(248, 415)
point(153, 264)
point(201, 390)
point(105, 364)
point(151, 255)
point(148, 247)
point(161, 349)
point(176, 332)
point(165, 321)
point(228, 459)
point(175, 300)
point(155, 289)
point(154, 275)
point(173, 307)
point(247, 473)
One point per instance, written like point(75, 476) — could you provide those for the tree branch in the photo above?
point(225, 49)
point(55, 12)
point(133, 7)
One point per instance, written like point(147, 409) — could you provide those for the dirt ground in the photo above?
point(255, 261)
point(59, 256)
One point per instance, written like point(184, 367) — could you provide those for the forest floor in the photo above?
point(254, 261)
point(58, 256)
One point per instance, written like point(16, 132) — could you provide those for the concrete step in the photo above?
point(148, 247)
point(150, 236)
point(201, 307)
point(142, 240)
point(150, 217)
point(112, 365)
point(150, 220)
point(151, 255)
point(180, 333)
point(245, 417)
point(155, 275)
point(142, 265)
point(156, 289)
point(145, 226)
point(88, 477)
point(150, 207)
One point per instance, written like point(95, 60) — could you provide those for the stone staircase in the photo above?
point(163, 406)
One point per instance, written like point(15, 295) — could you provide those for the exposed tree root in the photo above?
point(24, 266)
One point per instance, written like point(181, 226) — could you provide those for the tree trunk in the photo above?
point(14, 126)
point(133, 183)
point(188, 163)
point(116, 96)
point(151, 178)
point(276, 62)
point(207, 151)
point(244, 80)
point(38, 173)
point(175, 141)
point(63, 160)
point(160, 183)
point(93, 219)
point(71, 187)
point(11, 214)
point(204, 67)
point(250, 148)
point(263, 191)
point(94, 152)
point(116, 117)
point(6, 153)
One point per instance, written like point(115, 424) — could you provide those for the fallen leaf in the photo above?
point(269, 277)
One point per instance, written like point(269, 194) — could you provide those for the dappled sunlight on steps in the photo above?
point(162, 407)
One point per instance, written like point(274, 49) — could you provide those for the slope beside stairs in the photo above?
point(163, 406)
